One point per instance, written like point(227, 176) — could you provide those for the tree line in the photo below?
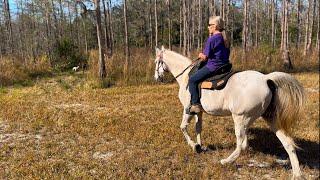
point(54, 28)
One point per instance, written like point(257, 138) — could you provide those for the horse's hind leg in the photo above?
point(289, 146)
point(184, 128)
point(240, 125)
point(244, 144)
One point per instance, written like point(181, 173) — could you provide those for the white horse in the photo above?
point(248, 95)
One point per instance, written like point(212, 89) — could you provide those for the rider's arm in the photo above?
point(207, 50)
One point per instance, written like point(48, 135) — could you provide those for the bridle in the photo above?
point(160, 63)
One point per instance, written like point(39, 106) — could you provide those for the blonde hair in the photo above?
point(219, 22)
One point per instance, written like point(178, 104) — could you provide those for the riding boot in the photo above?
point(194, 109)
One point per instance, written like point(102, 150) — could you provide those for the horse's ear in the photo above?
point(162, 48)
point(157, 51)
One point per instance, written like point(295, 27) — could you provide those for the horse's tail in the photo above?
point(288, 98)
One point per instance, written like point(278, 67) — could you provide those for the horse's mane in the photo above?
point(177, 55)
point(180, 61)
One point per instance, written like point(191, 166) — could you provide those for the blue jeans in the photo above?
point(194, 80)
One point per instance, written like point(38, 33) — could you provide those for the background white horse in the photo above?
point(248, 95)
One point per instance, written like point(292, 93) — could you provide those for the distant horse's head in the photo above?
point(161, 66)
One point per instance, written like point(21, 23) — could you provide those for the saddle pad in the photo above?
point(217, 82)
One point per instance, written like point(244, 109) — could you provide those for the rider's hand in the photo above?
point(202, 56)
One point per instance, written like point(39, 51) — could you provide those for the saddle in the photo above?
point(218, 80)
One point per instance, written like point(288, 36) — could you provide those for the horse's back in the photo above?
point(245, 92)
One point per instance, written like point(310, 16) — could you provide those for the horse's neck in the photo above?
point(177, 64)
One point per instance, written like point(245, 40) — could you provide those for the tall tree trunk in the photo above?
point(70, 21)
point(307, 24)
point(232, 23)
point(126, 35)
point(192, 11)
point(181, 27)
point(48, 32)
point(298, 24)
point(150, 25)
point(199, 24)
point(228, 15)
point(273, 32)
point(106, 29)
point(282, 46)
point(222, 7)
point(156, 22)
point(1, 37)
point(169, 23)
point(33, 28)
point(249, 24)
point(212, 8)
point(78, 27)
point(111, 34)
point(55, 23)
point(8, 26)
point(282, 25)
point(312, 15)
point(256, 25)
point(85, 38)
point(285, 49)
point(318, 34)
point(62, 19)
point(102, 67)
point(184, 50)
point(189, 28)
point(245, 29)
point(145, 29)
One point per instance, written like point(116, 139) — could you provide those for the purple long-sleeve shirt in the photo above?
point(216, 52)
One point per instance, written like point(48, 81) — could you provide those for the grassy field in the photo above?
point(61, 127)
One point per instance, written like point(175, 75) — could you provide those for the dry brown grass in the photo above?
point(15, 70)
point(140, 71)
point(63, 128)
point(141, 66)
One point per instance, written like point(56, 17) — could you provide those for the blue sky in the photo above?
point(13, 5)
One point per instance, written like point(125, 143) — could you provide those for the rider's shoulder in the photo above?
point(215, 37)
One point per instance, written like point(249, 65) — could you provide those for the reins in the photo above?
point(192, 64)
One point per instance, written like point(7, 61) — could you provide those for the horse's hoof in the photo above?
point(299, 177)
point(198, 148)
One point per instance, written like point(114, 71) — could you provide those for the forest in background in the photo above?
point(116, 39)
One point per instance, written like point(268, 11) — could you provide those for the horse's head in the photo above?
point(161, 66)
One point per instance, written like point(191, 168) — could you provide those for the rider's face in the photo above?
point(211, 28)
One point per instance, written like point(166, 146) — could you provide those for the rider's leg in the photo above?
point(194, 80)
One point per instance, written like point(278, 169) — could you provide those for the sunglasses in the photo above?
point(211, 24)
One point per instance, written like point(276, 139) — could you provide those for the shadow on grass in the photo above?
point(265, 141)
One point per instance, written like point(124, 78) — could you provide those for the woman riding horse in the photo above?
point(215, 54)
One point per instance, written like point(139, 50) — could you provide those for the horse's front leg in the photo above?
point(184, 127)
point(198, 131)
